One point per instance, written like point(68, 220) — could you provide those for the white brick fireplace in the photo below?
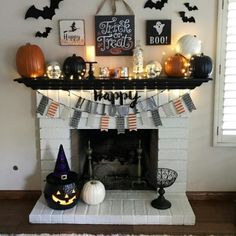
point(119, 207)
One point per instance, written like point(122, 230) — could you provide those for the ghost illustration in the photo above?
point(159, 27)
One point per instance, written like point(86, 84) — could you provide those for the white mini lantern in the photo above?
point(93, 192)
point(188, 45)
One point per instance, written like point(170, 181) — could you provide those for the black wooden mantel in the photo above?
point(44, 83)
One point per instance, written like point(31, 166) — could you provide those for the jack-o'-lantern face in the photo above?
point(61, 196)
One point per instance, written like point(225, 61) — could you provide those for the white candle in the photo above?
point(90, 53)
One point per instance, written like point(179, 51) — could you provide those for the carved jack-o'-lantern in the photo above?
point(61, 191)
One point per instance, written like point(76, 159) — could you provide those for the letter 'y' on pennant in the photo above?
point(188, 102)
point(104, 123)
point(75, 119)
point(120, 124)
point(179, 106)
point(42, 105)
point(156, 118)
point(132, 122)
point(52, 109)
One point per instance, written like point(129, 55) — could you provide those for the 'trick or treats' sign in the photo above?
point(158, 32)
point(114, 35)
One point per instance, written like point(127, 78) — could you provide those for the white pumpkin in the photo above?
point(188, 45)
point(153, 69)
point(93, 192)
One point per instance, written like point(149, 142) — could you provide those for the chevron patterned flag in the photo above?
point(42, 105)
point(75, 119)
point(156, 118)
point(104, 123)
point(179, 106)
point(120, 124)
point(188, 102)
point(53, 107)
point(132, 121)
point(168, 110)
point(65, 113)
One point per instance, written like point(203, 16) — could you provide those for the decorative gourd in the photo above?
point(188, 45)
point(74, 66)
point(30, 61)
point(201, 66)
point(176, 66)
point(93, 192)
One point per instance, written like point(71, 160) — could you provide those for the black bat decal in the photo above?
point(43, 34)
point(185, 18)
point(158, 5)
point(190, 8)
point(46, 13)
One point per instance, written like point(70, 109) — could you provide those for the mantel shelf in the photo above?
point(161, 82)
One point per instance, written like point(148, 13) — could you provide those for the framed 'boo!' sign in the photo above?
point(114, 35)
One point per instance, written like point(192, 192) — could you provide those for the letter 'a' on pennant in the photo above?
point(188, 102)
point(74, 122)
point(132, 122)
point(42, 105)
point(52, 109)
point(120, 124)
point(156, 118)
point(104, 123)
point(179, 106)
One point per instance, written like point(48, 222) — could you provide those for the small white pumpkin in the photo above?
point(93, 192)
point(188, 45)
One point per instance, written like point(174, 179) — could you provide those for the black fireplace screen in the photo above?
point(124, 161)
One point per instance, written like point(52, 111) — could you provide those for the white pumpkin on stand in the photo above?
point(188, 45)
point(93, 192)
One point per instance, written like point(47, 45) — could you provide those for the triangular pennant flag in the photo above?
point(179, 106)
point(90, 120)
point(144, 117)
point(95, 107)
point(52, 109)
point(104, 123)
point(123, 110)
point(88, 107)
point(168, 109)
point(65, 113)
point(151, 103)
point(156, 118)
point(120, 124)
point(75, 119)
point(112, 110)
point(188, 102)
point(143, 105)
point(132, 122)
point(42, 105)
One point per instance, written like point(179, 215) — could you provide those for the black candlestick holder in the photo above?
point(91, 70)
point(165, 178)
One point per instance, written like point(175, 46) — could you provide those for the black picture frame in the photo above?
point(158, 32)
point(114, 35)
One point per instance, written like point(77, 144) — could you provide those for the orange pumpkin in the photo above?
point(176, 66)
point(30, 61)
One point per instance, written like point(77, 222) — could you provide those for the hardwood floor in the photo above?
point(213, 217)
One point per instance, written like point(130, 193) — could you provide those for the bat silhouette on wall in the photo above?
point(190, 8)
point(43, 34)
point(185, 18)
point(46, 13)
point(158, 5)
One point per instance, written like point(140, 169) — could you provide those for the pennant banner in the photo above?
point(132, 122)
point(120, 124)
point(75, 119)
point(179, 106)
point(104, 123)
point(42, 105)
point(52, 109)
point(188, 102)
point(156, 118)
point(167, 108)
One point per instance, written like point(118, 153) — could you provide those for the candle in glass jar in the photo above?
point(90, 53)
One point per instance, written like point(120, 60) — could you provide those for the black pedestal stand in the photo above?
point(91, 72)
point(161, 202)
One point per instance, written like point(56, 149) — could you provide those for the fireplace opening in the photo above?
point(121, 162)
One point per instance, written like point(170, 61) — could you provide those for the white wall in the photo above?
point(209, 168)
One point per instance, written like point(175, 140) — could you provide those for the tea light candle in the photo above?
point(90, 53)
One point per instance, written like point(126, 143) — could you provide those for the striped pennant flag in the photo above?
point(42, 105)
point(156, 118)
point(52, 109)
point(132, 122)
point(74, 122)
point(188, 102)
point(104, 123)
point(179, 106)
point(120, 124)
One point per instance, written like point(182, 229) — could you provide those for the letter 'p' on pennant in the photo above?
point(104, 123)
